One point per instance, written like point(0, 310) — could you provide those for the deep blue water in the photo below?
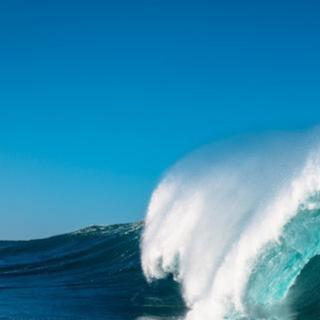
point(94, 273)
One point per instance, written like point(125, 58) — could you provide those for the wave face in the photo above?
point(94, 273)
point(237, 225)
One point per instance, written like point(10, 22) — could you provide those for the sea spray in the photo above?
point(221, 211)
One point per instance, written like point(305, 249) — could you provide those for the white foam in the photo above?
point(213, 213)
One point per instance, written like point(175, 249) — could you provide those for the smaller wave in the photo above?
point(93, 273)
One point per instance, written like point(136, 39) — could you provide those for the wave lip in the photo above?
point(235, 223)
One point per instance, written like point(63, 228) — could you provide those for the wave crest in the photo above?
point(229, 222)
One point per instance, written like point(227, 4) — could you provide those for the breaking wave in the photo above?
point(237, 225)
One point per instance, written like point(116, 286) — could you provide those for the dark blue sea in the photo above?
point(93, 273)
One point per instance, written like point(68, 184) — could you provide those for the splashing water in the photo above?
point(236, 223)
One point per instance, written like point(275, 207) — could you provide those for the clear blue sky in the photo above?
point(98, 98)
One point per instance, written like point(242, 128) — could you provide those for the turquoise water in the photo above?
point(281, 271)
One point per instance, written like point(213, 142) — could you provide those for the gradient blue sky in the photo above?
point(98, 98)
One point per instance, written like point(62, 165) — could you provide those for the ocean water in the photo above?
point(232, 232)
point(94, 273)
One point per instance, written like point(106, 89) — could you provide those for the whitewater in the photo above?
point(236, 223)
